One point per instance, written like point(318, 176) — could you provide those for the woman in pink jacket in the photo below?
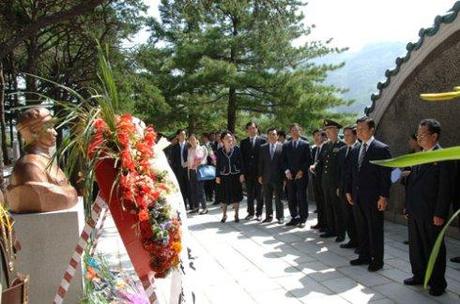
point(197, 156)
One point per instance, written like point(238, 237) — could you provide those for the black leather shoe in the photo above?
point(292, 222)
point(301, 225)
point(267, 220)
point(249, 217)
point(359, 261)
point(322, 229)
point(437, 292)
point(317, 226)
point(327, 235)
point(455, 260)
point(224, 219)
point(340, 239)
point(316, 211)
point(348, 245)
point(205, 211)
point(373, 267)
point(237, 220)
point(357, 251)
point(413, 282)
point(258, 218)
point(281, 221)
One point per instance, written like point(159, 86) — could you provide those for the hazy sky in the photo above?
point(355, 23)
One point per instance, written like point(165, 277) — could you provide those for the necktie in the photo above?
point(253, 140)
point(294, 143)
point(182, 154)
point(272, 150)
point(348, 151)
point(362, 154)
point(318, 150)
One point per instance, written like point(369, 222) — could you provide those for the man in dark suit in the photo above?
point(178, 161)
point(428, 198)
point(271, 175)
point(250, 154)
point(344, 159)
point(368, 186)
point(328, 164)
point(318, 194)
point(296, 162)
point(456, 200)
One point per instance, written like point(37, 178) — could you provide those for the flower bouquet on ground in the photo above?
point(105, 286)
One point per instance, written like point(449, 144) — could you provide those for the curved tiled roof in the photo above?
point(449, 17)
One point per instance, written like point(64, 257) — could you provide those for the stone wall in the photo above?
point(439, 72)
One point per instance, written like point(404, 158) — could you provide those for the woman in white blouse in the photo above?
point(197, 156)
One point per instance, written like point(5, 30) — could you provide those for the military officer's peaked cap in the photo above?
point(330, 123)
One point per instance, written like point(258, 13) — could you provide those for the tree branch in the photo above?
point(42, 22)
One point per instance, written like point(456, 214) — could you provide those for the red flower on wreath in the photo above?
point(144, 215)
point(126, 160)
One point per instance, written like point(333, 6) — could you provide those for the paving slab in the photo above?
point(252, 263)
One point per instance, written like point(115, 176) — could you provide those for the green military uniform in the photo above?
point(328, 164)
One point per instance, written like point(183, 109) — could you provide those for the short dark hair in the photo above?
point(369, 121)
point(251, 123)
point(180, 131)
point(413, 136)
point(351, 128)
point(315, 131)
point(295, 125)
point(271, 130)
point(432, 125)
point(282, 133)
point(225, 133)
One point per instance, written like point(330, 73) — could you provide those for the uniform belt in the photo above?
point(18, 293)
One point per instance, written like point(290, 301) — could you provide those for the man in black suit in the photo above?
point(296, 162)
point(344, 159)
point(368, 186)
point(428, 198)
point(318, 194)
point(250, 154)
point(271, 175)
point(178, 160)
point(456, 200)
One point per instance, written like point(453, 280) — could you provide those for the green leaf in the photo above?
point(435, 251)
point(420, 158)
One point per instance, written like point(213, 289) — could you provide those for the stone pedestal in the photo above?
point(47, 241)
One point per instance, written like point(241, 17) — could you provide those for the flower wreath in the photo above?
point(142, 189)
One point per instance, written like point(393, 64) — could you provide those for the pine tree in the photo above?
point(240, 56)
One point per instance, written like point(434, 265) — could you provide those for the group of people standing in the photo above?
point(350, 191)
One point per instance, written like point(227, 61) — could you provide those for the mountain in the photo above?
point(362, 71)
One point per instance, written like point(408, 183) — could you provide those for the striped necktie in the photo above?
point(362, 154)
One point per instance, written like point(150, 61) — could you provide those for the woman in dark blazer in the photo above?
point(229, 175)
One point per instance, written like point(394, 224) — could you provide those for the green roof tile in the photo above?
point(448, 17)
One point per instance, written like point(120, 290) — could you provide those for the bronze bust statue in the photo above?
point(36, 183)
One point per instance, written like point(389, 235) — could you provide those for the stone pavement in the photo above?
point(251, 262)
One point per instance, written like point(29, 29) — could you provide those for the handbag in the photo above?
point(206, 173)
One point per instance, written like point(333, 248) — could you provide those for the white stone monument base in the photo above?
point(48, 241)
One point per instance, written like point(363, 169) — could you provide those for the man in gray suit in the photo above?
point(271, 175)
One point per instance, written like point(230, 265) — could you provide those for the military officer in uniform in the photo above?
point(328, 165)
